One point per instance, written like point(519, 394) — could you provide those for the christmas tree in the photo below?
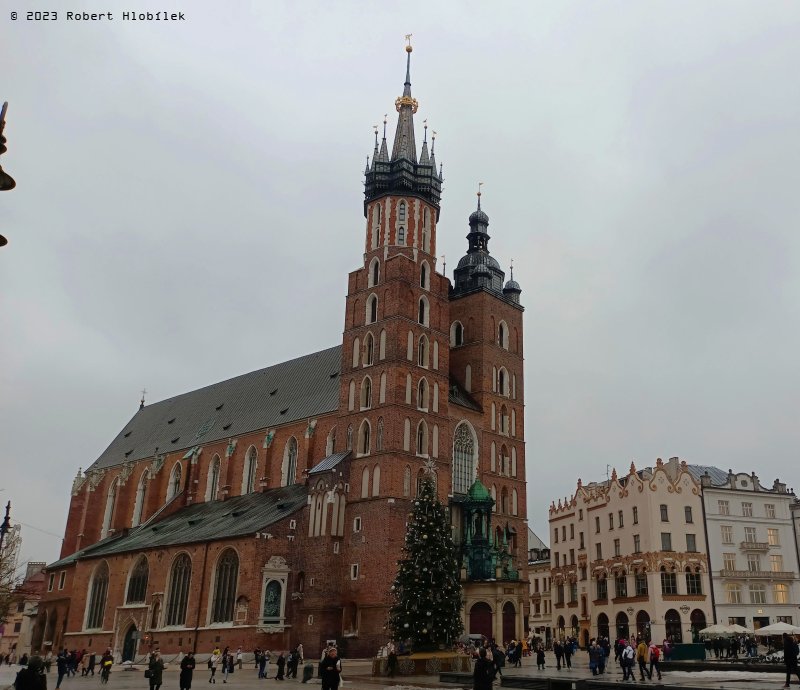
point(427, 589)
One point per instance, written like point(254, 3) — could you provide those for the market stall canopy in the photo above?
point(716, 629)
point(778, 629)
point(740, 630)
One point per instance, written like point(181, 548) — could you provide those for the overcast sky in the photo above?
point(189, 204)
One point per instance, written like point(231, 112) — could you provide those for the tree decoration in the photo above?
point(427, 588)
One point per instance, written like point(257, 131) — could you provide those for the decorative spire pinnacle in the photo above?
point(512, 269)
point(424, 159)
point(383, 155)
point(141, 402)
point(480, 184)
point(404, 144)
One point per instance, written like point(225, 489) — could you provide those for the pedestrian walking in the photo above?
point(483, 672)
point(626, 659)
point(641, 658)
point(331, 670)
point(239, 658)
point(62, 667)
point(155, 670)
point(187, 671)
point(655, 657)
point(790, 652)
point(540, 658)
point(213, 662)
point(281, 664)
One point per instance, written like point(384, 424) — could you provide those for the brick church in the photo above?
point(270, 509)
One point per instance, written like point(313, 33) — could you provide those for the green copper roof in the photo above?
point(478, 492)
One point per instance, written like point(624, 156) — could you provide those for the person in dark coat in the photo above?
point(32, 677)
point(331, 670)
point(790, 651)
point(483, 672)
point(558, 650)
point(156, 668)
point(281, 664)
point(187, 671)
point(62, 666)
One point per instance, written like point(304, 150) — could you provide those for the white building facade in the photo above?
point(628, 557)
point(752, 549)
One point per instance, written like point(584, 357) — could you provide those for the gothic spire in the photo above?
point(404, 144)
point(424, 159)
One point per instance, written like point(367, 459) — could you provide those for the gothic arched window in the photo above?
point(350, 437)
point(372, 309)
point(179, 579)
point(379, 435)
point(369, 349)
point(422, 438)
point(137, 583)
point(463, 459)
point(250, 469)
point(174, 482)
point(502, 335)
point(364, 438)
point(225, 582)
point(366, 393)
point(407, 482)
point(374, 272)
point(97, 597)
point(422, 351)
point(330, 445)
point(141, 492)
point(456, 334)
point(111, 501)
point(423, 316)
point(401, 212)
point(401, 236)
point(212, 485)
point(424, 283)
point(290, 462)
point(422, 394)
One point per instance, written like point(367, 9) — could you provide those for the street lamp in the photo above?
point(6, 181)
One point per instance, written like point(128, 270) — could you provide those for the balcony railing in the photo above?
point(757, 574)
point(754, 546)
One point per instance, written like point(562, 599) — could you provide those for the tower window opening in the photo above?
point(424, 311)
point(372, 309)
point(423, 276)
point(374, 272)
point(401, 212)
point(401, 236)
point(369, 349)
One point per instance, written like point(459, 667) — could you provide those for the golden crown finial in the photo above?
point(408, 43)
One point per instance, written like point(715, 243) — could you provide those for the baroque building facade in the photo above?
point(270, 509)
point(629, 557)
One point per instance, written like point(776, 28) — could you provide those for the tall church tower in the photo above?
point(431, 378)
point(394, 395)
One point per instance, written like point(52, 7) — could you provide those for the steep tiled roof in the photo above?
point(202, 522)
point(298, 389)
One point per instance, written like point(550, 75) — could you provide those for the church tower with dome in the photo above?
point(270, 509)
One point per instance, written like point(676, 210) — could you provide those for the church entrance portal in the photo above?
point(129, 645)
